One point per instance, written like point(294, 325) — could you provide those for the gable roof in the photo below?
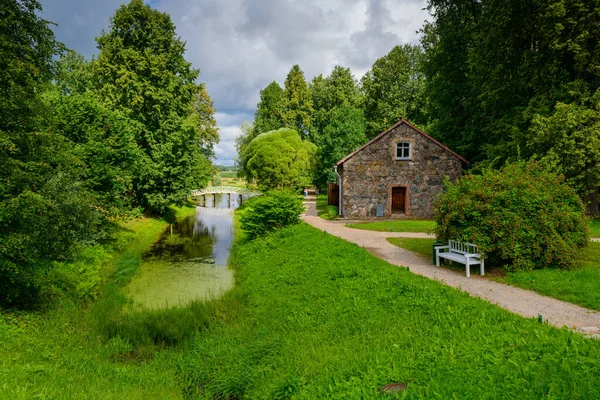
point(402, 121)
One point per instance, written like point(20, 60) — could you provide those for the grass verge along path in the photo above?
point(406, 225)
point(595, 227)
point(579, 286)
point(325, 211)
point(336, 322)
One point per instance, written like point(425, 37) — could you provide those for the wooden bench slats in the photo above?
point(462, 252)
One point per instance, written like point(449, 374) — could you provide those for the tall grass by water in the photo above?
point(336, 322)
point(74, 350)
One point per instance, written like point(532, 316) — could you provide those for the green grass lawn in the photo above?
point(595, 227)
point(336, 322)
point(421, 246)
point(405, 225)
point(326, 211)
point(580, 286)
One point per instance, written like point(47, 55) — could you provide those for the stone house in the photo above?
point(396, 174)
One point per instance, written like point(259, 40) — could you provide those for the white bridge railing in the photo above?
point(225, 189)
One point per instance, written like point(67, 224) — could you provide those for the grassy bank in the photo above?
point(404, 225)
point(595, 227)
point(418, 245)
point(336, 322)
point(325, 211)
point(60, 353)
point(579, 286)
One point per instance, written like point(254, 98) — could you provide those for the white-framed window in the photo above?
point(404, 151)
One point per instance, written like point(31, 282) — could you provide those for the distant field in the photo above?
point(229, 178)
point(228, 174)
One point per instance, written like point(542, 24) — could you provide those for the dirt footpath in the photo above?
point(520, 301)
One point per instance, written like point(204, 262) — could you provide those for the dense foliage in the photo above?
point(275, 210)
point(393, 89)
point(336, 112)
point(279, 159)
point(45, 209)
point(80, 146)
point(162, 95)
point(495, 70)
point(523, 216)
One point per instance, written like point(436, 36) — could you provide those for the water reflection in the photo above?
point(188, 262)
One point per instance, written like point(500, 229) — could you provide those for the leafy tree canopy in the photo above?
point(268, 115)
point(394, 88)
point(296, 104)
point(344, 134)
point(280, 159)
point(141, 70)
point(569, 140)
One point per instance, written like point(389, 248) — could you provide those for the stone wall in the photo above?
point(369, 175)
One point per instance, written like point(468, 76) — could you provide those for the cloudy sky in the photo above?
point(240, 46)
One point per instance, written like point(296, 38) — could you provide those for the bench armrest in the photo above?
point(442, 247)
point(477, 255)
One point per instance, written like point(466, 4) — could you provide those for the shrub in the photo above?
point(274, 210)
point(524, 216)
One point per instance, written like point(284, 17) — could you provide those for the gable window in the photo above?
point(403, 151)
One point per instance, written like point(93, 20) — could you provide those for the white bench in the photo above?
point(464, 253)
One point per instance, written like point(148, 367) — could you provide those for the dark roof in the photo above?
point(402, 121)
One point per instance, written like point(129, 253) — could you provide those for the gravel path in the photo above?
point(520, 301)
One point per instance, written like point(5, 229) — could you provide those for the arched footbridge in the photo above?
point(226, 189)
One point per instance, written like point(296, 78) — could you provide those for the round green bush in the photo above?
point(523, 217)
point(274, 210)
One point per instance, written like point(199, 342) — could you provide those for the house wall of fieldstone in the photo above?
point(369, 175)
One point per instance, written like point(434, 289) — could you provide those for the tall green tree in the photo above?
point(141, 71)
point(241, 144)
point(344, 133)
point(492, 66)
point(296, 104)
point(338, 120)
point(451, 95)
point(280, 160)
point(268, 115)
point(103, 140)
point(569, 140)
point(45, 210)
point(394, 88)
point(339, 89)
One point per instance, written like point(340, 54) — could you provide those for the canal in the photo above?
point(189, 261)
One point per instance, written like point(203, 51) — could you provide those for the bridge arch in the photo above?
point(226, 189)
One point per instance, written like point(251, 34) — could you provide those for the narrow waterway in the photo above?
point(189, 261)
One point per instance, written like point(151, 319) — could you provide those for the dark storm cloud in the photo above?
point(241, 46)
point(79, 21)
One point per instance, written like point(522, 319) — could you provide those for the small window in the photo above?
point(403, 151)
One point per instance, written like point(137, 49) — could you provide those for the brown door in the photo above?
point(398, 200)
